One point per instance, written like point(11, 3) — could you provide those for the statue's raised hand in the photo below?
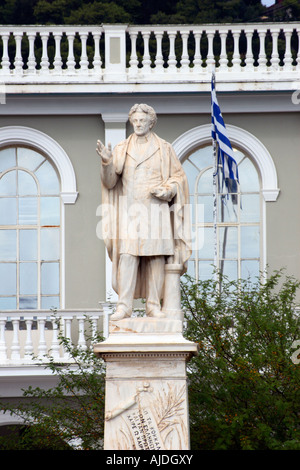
point(104, 152)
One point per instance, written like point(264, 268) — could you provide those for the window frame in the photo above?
point(205, 225)
point(46, 145)
point(20, 227)
point(199, 136)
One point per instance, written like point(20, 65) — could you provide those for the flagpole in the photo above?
point(223, 157)
point(215, 177)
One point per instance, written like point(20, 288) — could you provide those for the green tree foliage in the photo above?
point(215, 11)
point(243, 386)
point(128, 11)
point(69, 415)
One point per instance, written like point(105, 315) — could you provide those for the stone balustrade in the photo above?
point(26, 335)
point(105, 54)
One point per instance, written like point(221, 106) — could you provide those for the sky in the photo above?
point(267, 3)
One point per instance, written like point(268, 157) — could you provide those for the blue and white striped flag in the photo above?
point(225, 152)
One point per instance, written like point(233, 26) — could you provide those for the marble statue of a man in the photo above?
point(147, 226)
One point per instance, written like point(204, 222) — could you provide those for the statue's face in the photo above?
point(141, 123)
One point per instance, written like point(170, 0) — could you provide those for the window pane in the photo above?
point(227, 211)
point(205, 208)
point(205, 185)
point(28, 245)
point(229, 269)
point(206, 270)
point(191, 173)
point(48, 179)
point(26, 184)
point(248, 176)
point(250, 242)
point(8, 245)
point(250, 211)
point(7, 158)
point(28, 278)
point(28, 303)
point(50, 211)
point(28, 208)
point(28, 158)
point(8, 185)
point(206, 243)
point(8, 276)
point(228, 242)
point(191, 267)
point(8, 303)
point(250, 270)
point(50, 302)
point(8, 211)
point(50, 244)
point(203, 157)
point(50, 278)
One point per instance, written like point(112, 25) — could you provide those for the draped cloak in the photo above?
point(171, 175)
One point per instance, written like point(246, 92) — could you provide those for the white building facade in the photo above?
point(64, 87)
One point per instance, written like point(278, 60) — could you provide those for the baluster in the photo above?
point(133, 62)
point(249, 54)
point(97, 58)
point(55, 343)
point(81, 337)
point(71, 59)
point(84, 58)
point(146, 58)
point(159, 61)
point(275, 55)
point(94, 321)
point(31, 57)
point(3, 347)
point(185, 62)
point(57, 59)
point(288, 60)
point(42, 347)
point(67, 335)
point(18, 57)
point(197, 58)
point(262, 59)
point(236, 59)
point(172, 57)
point(15, 347)
point(223, 54)
point(298, 54)
point(44, 61)
point(5, 57)
point(67, 329)
point(210, 53)
point(28, 349)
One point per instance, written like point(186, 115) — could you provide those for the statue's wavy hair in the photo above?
point(143, 108)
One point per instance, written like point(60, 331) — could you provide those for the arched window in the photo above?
point(241, 245)
point(238, 236)
point(30, 230)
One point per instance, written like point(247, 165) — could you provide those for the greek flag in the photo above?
point(225, 152)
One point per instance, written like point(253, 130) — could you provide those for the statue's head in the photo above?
point(143, 108)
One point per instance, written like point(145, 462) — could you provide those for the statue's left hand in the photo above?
point(163, 193)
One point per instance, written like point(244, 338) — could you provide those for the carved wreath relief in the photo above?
point(150, 420)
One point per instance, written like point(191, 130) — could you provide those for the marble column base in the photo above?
point(146, 405)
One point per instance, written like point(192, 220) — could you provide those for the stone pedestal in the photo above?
point(146, 406)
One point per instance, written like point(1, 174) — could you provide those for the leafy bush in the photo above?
point(69, 415)
point(243, 385)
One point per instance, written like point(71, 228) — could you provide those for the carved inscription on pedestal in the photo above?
point(150, 420)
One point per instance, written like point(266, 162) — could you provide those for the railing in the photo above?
point(25, 335)
point(140, 54)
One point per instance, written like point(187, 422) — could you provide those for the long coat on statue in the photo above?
point(134, 220)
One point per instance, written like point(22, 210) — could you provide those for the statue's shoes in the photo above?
point(119, 315)
point(156, 314)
